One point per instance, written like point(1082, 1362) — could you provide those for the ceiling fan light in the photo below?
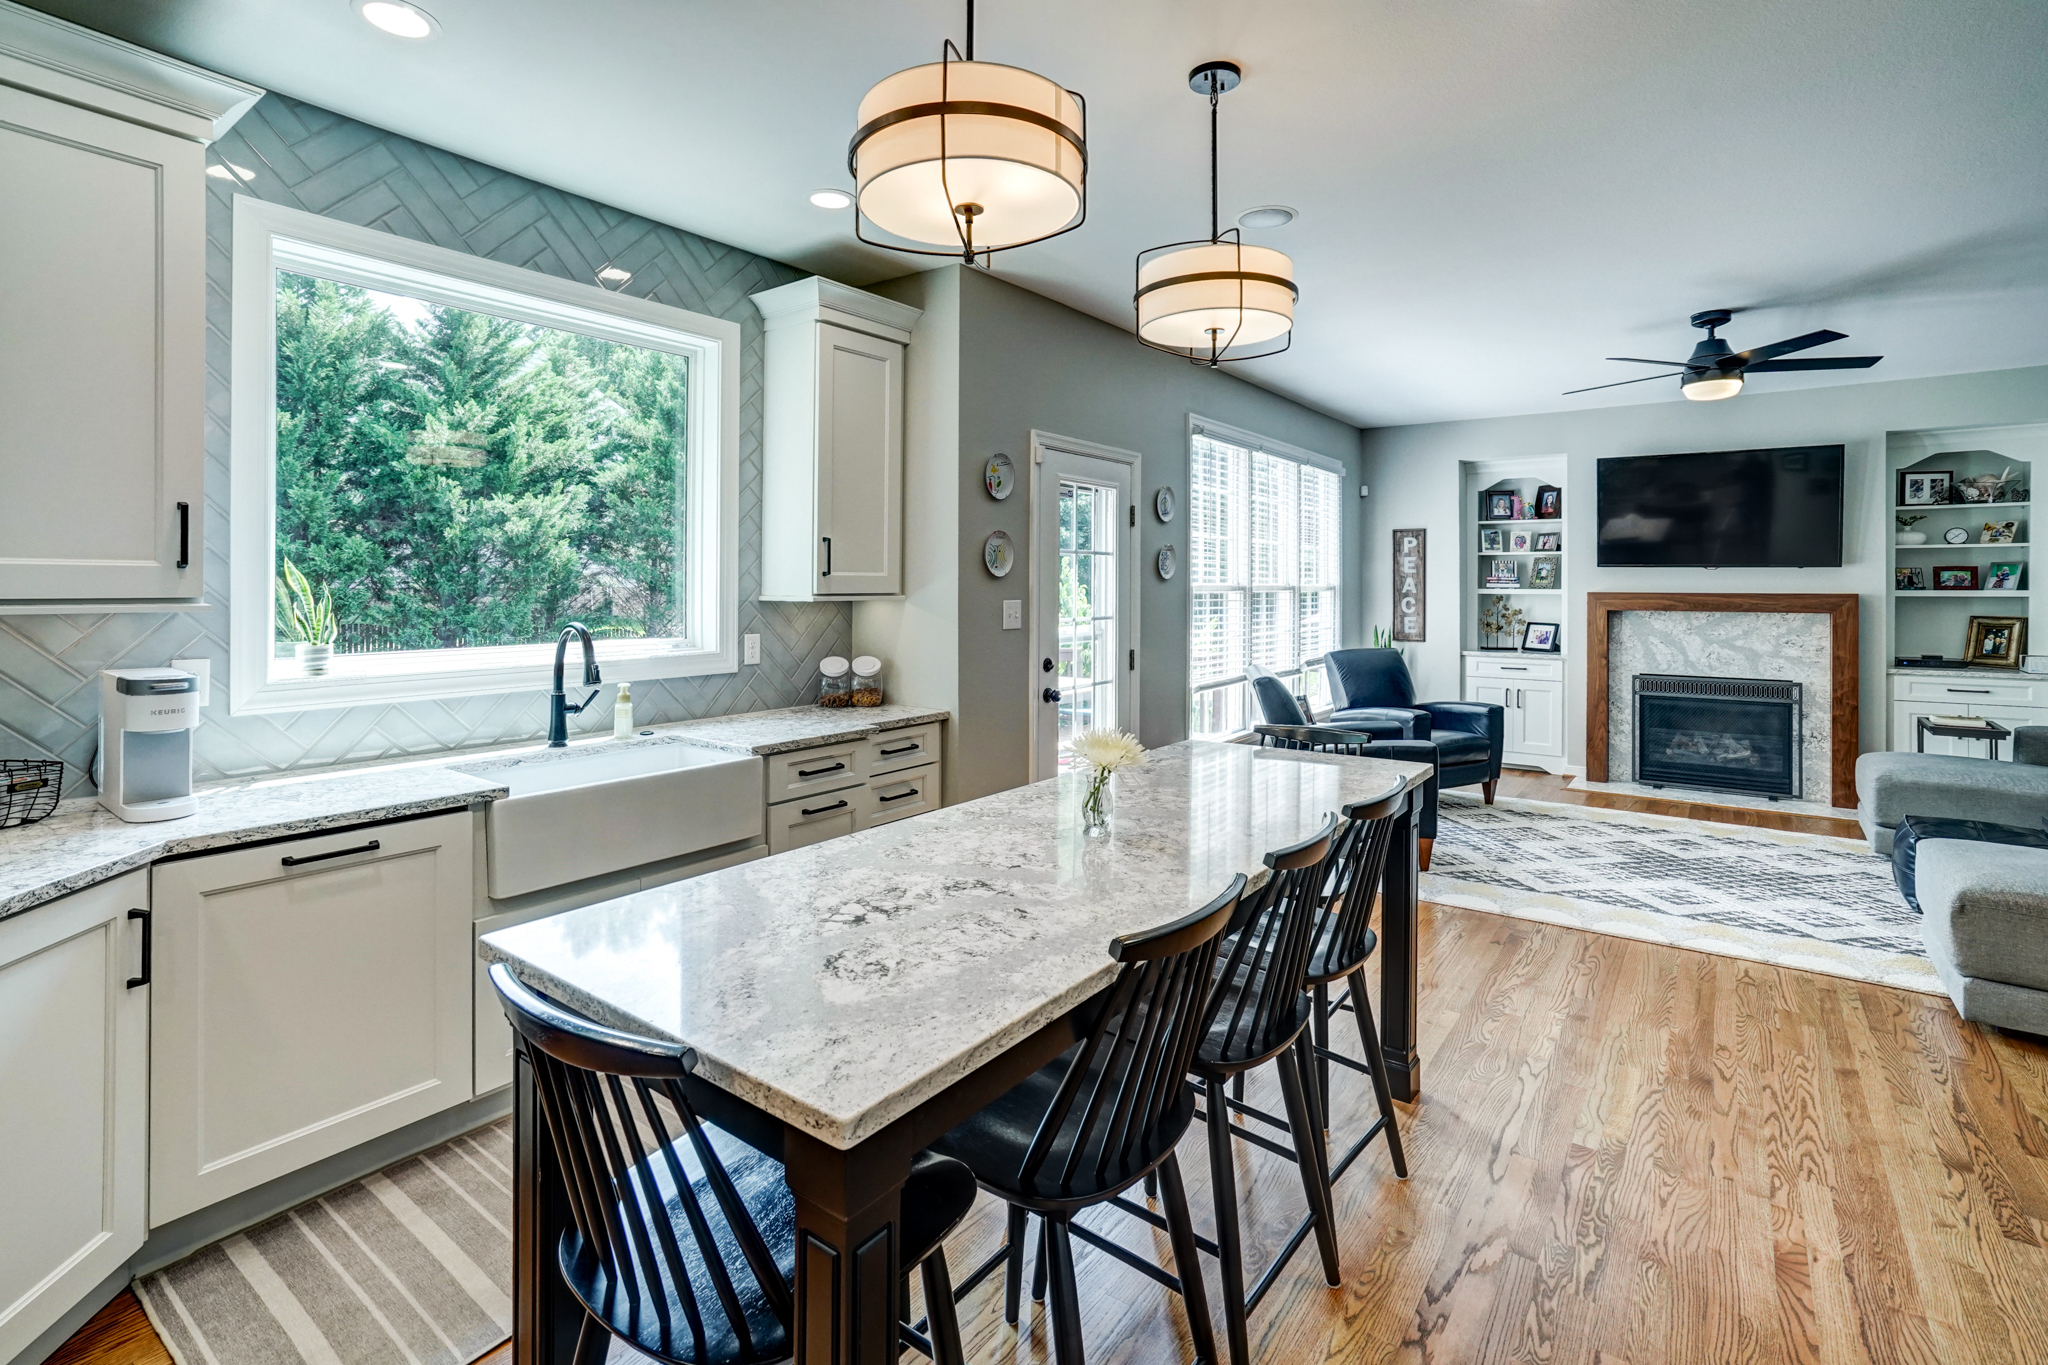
point(1013, 164)
point(1705, 388)
point(1215, 292)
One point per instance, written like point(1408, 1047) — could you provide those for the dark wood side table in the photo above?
point(1991, 732)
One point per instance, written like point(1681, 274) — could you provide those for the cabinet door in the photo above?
point(74, 1102)
point(1494, 692)
point(860, 463)
point(310, 995)
point(814, 819)
point(102, 253)
point(1539, 719)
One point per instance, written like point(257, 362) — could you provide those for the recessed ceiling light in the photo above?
point(831, 199)
point(1266, 216)
point(398, 18)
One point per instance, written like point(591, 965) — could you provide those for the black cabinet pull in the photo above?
point(184, 535)
point(909, 748)
point(142, 980)
point(828, 557)
point(370, 847)
point(1974, 691)
point(901, 796)
point(819, 772)
point(836, 805)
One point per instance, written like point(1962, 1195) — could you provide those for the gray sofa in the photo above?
point(1890, 787)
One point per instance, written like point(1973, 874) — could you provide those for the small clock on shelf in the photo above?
point(1956, 535)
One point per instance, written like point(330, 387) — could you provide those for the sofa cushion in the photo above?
point(1890, 787)
point(1985, 909)
point(1453, 747)
point(1916, 829)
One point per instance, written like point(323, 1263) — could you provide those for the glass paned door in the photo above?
point(1083, 582)
point(1088, 575)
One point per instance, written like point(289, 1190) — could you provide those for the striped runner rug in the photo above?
point(411, 1266)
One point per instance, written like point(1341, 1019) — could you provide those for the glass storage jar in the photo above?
point(835, 681)
point(867, 681)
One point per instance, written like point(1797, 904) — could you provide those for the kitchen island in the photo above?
point(850, 1002)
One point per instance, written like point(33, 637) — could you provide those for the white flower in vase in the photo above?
point(1106, 753)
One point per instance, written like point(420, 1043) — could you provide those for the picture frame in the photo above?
point(1503, 573)
point(1497, 505)
point(2002, 576)
point(1548, 540)
point(1924, 487)
point(1549, 502)
point(1999, 533)
point(1955, 578)
point(1521, 542)
point(1909, 578)
point(1492, 540)
point(1544, 571)
point(1996, 641)
point(1540, 637)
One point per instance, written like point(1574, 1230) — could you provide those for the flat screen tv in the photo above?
point(1723, 509)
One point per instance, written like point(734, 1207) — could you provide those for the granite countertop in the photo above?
point(82, 843)
point(840, 985)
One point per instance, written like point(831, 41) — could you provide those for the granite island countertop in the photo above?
point(838, 986)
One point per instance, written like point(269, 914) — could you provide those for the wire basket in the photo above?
point(28, 789)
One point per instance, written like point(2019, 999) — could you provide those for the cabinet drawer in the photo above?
point(909, 747)
point(1535, 668)
point(893, 797)
point(808, 772)
point(814, 819)
point(1971, 691)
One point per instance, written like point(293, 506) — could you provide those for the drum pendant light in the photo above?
point(962, 158)
point(1219, 299)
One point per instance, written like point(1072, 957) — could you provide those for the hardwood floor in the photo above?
point(1544, 787)
point(1625, 1154)
point(118, 1334)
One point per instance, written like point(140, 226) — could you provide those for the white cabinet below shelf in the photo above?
point(832, 443)
point(74, 1101)
point(1530, 693)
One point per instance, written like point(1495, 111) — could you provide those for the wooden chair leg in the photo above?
point(1315, 1179)
point(1151, 1186)
point(593, 1342)
point(1369, 1038)
point(1223, 1187)
point(1038, 1268)
point(942, 1317)
point(1423, 847)
point(1187, 1261)
point(1319, 1031)
point(1066, 1296)
point(1487, 787)
point(1013, 1268)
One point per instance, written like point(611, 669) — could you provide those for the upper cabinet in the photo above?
point(102, 316)
point(832, 488)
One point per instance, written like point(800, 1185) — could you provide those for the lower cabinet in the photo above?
point(310, 995)
point(2012, 701)
point(1530, 691)
point(822, 793)
point(74, 1100)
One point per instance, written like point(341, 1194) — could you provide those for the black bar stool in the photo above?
point(1103, 1116)
point(1331, 739)
point(686, 1252)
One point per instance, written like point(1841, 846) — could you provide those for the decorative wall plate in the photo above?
point(999, 476)
point(999, 554)
point(1162, 503)
point(1168, 562)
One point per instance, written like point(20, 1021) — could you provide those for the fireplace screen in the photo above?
point(1718, 734)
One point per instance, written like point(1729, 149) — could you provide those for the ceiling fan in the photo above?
point(1715, 372)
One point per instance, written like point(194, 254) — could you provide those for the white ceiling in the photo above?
point(1494, 194)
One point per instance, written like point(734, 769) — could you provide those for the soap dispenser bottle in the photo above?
point(622, 713)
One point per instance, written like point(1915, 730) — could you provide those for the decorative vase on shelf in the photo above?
point(1911, 538)
point(313, 659)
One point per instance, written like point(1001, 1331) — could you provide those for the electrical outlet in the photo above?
point(1365, 490)
point(750, 649)
point(1013, 613)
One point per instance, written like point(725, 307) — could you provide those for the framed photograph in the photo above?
point(1540, 637)
point(1548, 540)
point(1503, 573)
point(1999, 533)
point(1913, 579)
point(1924, 487)
point(1543, 571)
point(1996, 641)
point(2002, 577)
point(1955, 578)
point(1549, 502)
point(1492, 540)
point(1521, 542)
point(1497, 505)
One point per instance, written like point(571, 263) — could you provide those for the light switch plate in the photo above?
point(1013, 613)
point(750, 649)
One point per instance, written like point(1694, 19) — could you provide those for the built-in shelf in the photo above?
point(1970, 545)
point(1932, 507)
point(1515, 554)
point(2018, 593)
point(1502, 592)
point(1559, 521)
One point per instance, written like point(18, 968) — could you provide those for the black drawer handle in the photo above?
point(370, 847)
point(142, 980)
point(909, 748)
point(828, 557)
point(817, 772)
point(1974, 691)
point(836, 805)
point(1514, 668)
point(903, 796)
point(184, 535)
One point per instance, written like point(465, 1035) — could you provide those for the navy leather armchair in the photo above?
point(1278, 706)
point(1376, 690)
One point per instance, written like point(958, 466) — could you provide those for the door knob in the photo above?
point(1050, 694)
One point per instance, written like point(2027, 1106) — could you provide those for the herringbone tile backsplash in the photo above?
point(296, 154)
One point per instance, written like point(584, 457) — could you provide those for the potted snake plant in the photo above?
point(308, 622)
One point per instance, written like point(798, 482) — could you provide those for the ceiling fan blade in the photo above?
point(1744, 359)
point(1638, 360)
point(1837, 362)
point(1646, 378)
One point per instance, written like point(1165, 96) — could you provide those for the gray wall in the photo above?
point(321, 162)
point(1414, 475)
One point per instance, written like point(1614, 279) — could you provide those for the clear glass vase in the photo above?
point(1097, 805)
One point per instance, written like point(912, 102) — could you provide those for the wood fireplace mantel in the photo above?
point(1838, 607)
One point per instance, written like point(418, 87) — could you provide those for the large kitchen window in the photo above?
point(452, 459)
point(1264, 546)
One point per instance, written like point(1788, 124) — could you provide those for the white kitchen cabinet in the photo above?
point(311, 994)
point(74, 1101)
point(1530, 691)
point(102, 316)
point(832, 447)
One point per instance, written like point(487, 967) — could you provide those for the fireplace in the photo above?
point(1718, 734)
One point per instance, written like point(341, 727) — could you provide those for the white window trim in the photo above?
point(266, 234)
point(1251, 440)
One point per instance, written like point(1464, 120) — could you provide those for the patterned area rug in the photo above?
point(412, 1266)
point(1795, 900)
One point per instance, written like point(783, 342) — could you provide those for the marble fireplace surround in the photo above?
point(1841, 613)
